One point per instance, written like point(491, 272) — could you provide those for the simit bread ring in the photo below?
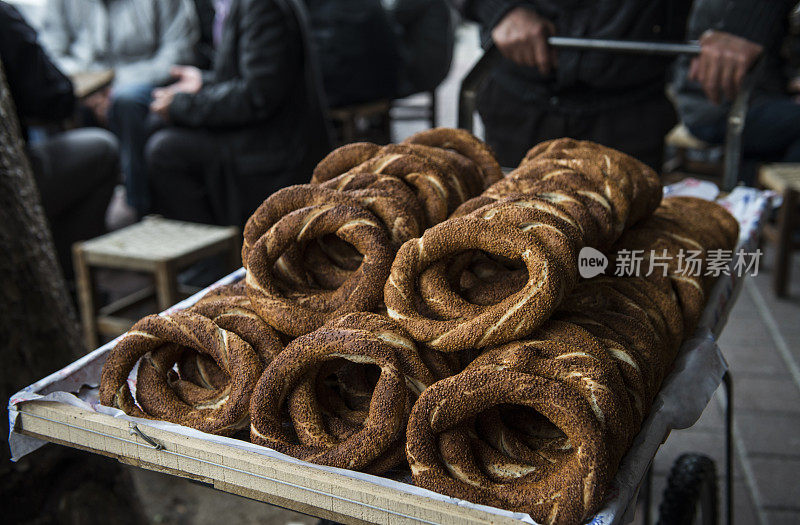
point(389, 198)
point(430, 183)
point(596, 160)
point(381, 428)
point(555, 230)
point(464, 143)
point(513, 317)
point(342, 160)
point(224, 414)
point(410, 218)
point(313, 408)
point(564, 493)
point(229, 307)
point(303, 310)
point(463, 175)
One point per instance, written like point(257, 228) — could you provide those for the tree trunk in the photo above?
point(39, 332)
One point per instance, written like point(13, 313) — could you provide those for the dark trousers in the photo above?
point(178, 161)
point(203, 176)
point(76, 172)
point(514, 125)
point(127, 118)
point(771, 133)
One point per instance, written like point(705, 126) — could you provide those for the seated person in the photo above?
point(357, 48)
point(139, 40)
point(244, 129)
point(772, 123)
point(75, 170)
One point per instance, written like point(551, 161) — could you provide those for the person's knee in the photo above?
point(106, 147)
point(101, 150)
point(130, 99)
point(158, 148)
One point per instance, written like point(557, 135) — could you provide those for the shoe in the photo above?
point(119, 213)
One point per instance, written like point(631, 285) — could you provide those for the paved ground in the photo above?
point(761, 343)
point(762, 346)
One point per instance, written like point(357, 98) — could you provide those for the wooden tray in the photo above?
point(344, 496)
point(302, 488)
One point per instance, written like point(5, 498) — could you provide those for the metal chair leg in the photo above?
point(648, 495)
point(727, 380)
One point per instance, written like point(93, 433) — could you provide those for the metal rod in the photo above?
point(648, 494)
point(134, 431)
point(727, 380)
point(468, 93)
point(735, 126)
point(625, 46)
point(472, 82)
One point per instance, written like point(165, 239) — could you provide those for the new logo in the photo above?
point(591, 262)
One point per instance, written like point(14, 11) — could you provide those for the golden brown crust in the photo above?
point(301, 310)
point(464, 143)
point(343, 159)
point(222, 412)
point(332, 434)
point(513, 317)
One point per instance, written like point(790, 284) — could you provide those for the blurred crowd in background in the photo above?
point(211, 105)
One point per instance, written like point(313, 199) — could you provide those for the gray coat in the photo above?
point(139, 39)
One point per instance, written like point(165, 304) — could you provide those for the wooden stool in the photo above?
point(350, 117)
point(682, 141)
point(155, 245)
point(785, 179)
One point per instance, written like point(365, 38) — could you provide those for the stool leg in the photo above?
point(84, 285)
point(785, 242)
point(433, 109)
point(235, 255)
point(166, 285)
point(349, 129)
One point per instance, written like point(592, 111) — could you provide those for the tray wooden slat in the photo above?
point(298, 487)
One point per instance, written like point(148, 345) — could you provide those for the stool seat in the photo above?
point(780, 176)
point(349, 118)
point(681, 137)
point(155, 245)
point(785, 179)
point(142, 246)
point(365, 109)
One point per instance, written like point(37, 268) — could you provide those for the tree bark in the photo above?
point(39, 332)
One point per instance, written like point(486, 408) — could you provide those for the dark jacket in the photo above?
point(693, 106)
point(258, 100)
point(40, 91)
point(358, 50)
point(427, 36)
point(596, 81)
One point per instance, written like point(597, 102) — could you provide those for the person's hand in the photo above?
point(161, 103)
point(722, 64)
point(794, 85)
point(794, 89)
point(99, 103)
point(188, 79)
point(521, 36)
